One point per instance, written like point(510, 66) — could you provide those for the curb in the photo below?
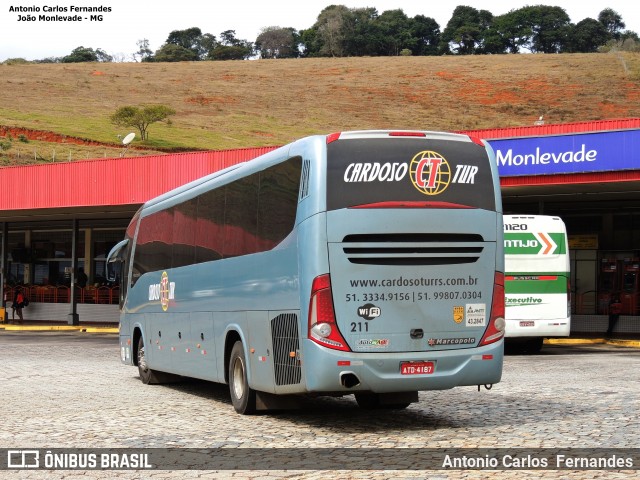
point(88, 329)
point(592, 341)
point(57, 328)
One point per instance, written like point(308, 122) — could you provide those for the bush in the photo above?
point(15, 61)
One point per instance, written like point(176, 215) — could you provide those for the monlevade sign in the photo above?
point(579, 153)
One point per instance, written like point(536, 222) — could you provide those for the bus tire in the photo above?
point(148, 376)
point(243, 397)
point(535, 345)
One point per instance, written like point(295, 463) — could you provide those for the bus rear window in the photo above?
point(410, 171)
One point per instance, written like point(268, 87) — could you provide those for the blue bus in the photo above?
point(365, 262)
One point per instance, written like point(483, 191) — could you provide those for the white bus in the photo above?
point(537, 288)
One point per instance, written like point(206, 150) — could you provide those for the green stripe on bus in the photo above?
point(527, 244)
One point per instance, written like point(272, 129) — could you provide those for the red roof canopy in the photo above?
point(132, 181)
point(110, 181)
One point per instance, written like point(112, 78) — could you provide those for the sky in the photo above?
point(131, 20)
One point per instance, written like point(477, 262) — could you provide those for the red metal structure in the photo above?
point(110, 181)
point(630, 287)
point(608, 283)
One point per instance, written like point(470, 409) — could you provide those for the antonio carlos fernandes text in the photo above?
point(531, 461)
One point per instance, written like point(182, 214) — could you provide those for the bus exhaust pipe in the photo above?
point(349, 380)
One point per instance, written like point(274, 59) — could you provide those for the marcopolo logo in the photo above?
point(429, 172)
point(163, 291)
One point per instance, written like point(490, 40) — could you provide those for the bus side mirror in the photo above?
point(114, 262)
point(113, 271)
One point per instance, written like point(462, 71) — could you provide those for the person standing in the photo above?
point(82, 278)
point(19, 302)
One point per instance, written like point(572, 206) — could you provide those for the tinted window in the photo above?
point(366, 171)
point(277, 202)
point(241, 217)
point(250, 215)
point(184, 233)
point(210, 226)
point(154, 247)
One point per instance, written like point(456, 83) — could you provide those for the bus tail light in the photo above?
point(495, 330)
point(332, 137)
point(323, 328)
point(407, 134)
point(476, 140)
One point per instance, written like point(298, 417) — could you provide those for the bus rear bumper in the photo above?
point(537, 328)
point(350, 372)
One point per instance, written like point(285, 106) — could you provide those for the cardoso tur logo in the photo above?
point(163, 291)
point(430, 172)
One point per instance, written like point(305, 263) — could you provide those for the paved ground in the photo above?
point(68, 389)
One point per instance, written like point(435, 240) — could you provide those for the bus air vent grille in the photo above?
point(284, 333)
point(413, 248)
point(304, 180)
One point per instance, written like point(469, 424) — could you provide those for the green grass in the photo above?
point(222, 105)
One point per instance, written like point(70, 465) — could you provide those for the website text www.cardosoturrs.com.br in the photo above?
point(415, 282)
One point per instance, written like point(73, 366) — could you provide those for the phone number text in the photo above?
point(412, 296)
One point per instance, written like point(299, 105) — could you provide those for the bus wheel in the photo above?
point(143, 368)
point(148, 376)
point(370, 401)
point(535, 345)
point(242, 396)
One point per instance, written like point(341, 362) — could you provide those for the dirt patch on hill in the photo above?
point(52, 137)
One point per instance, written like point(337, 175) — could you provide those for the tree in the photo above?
point(587, 36)
point(395, 32)
point(361, 32)
point(208, 43)
point(277, 42)
point(103, 56)
point(612, 22)
point(170, 52)
point(330, 31)
point(465, 31)
point(550, 27)
point(189, 39)
point(426, 31)
point(230, 48)
point(82, 54)
point(141, 118)
point(144, 52)
point(508, 33)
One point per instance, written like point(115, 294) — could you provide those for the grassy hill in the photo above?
point(236, 104)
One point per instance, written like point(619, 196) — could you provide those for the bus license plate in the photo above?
point(417, 368)
point(527, 324)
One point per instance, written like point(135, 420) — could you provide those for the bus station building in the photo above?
point(59, 218)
